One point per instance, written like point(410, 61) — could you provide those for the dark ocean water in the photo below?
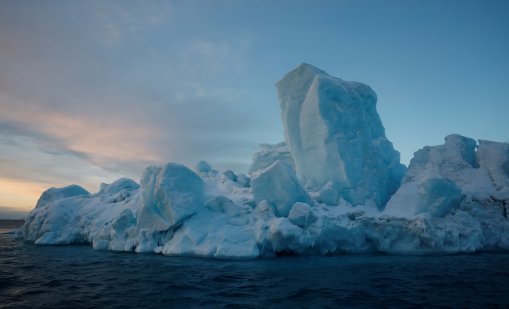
point(76, 276)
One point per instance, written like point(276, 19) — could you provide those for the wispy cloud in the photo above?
point(118, 21)
point(96, 90)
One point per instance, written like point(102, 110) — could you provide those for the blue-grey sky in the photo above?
point(94, 90)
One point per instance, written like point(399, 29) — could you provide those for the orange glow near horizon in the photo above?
point(20, 195)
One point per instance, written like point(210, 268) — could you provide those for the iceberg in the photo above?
point(268, 154)
point(170, 194)
point(278, 185)
point(53, 194)
point(334, 186)
point(203, 167)
point(440, 174)
point(335, 136)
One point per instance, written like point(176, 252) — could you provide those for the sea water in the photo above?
point(77, 276)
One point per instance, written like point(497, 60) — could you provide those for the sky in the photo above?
point(91, 91)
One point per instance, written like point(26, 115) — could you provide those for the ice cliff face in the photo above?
point(439, 178)
point(453, 198)
point(278, 185)
point(170, 194)
point(335, 136)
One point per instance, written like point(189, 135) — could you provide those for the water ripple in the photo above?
point(78, 277)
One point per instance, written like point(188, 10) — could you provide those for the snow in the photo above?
point(269, 154)
point(494, 158)
point(301, 215)
point(54, 194)
point(328, 194)
point(438, 196)
point(441, 176)
point(278, 185)
point(119, 190)
point(335, 135)
point(203, 167)
point(170, 194)
point(453, 198)
point(120, 185)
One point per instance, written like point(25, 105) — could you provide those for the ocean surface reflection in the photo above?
point(77, 276)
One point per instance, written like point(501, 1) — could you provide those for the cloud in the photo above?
point(147, 98)
point(96, 90)
point(23, 158)
point(100, 140)
point(122, 20)
point(32, 161)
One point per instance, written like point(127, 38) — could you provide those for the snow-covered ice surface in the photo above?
point(279, 186)
point(329, 192)
point(54, 194)
point(269, 154)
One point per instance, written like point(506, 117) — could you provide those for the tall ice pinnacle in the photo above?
point(336, 137)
